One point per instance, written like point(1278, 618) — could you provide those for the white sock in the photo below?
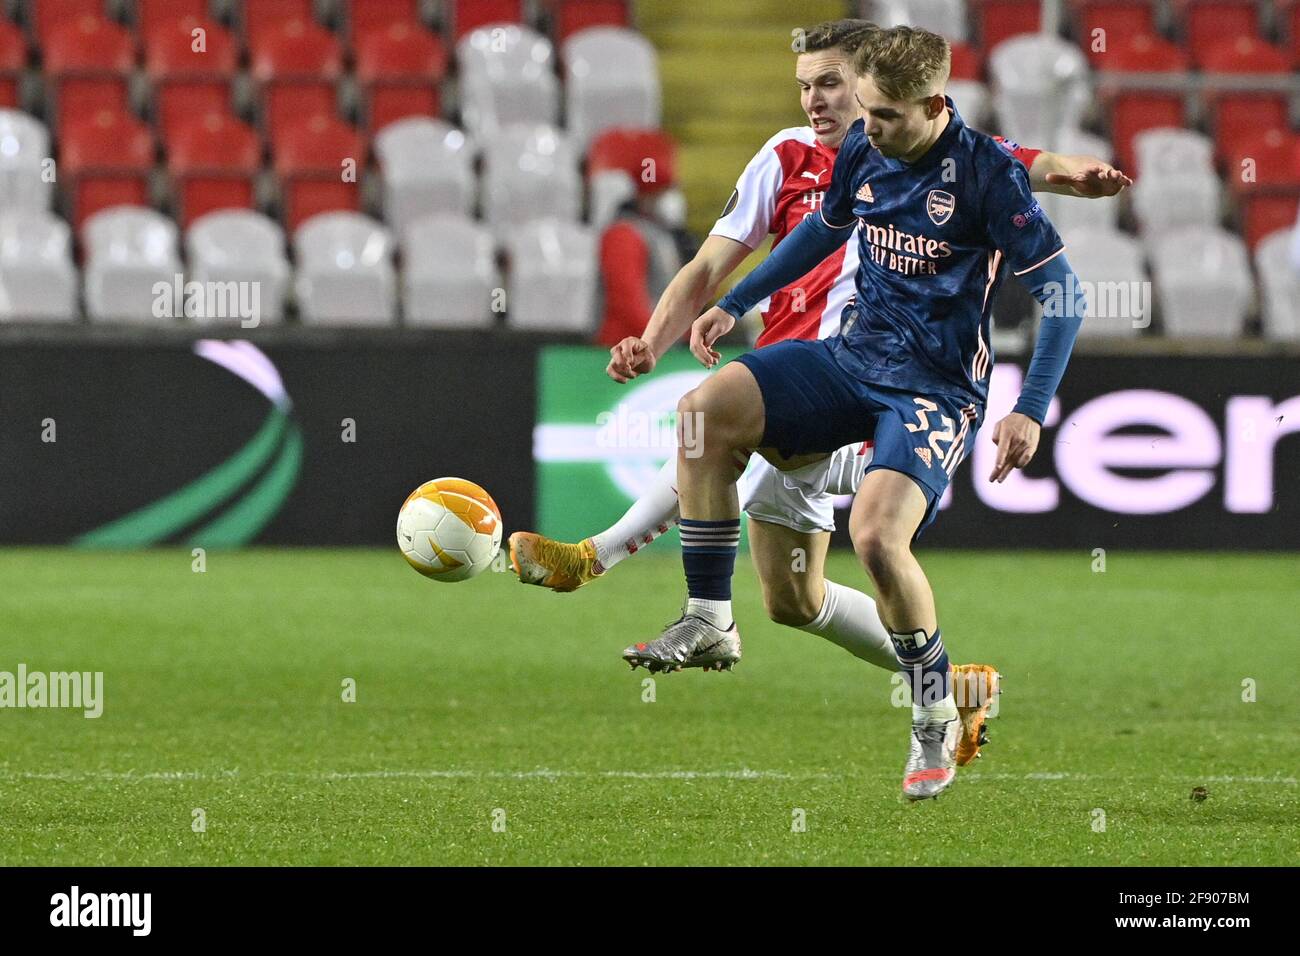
point(717, 613)
point(945, 709)
point(849, 618)
point(650, 516)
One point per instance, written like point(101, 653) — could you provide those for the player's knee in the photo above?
point(698, 407)
point(878, 550)
point(793, 607)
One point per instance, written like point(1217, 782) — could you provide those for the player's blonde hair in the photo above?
point(906, 63)
point(847, 35)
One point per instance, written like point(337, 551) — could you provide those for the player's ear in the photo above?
point(935, 105)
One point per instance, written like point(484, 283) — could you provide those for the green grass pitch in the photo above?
point(487, 703)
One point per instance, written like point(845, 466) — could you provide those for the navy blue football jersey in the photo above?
point(937, 237)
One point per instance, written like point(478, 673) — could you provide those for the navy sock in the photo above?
point(709, 557)
point(924, 662)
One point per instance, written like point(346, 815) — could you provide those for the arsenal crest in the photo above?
point(939, 205)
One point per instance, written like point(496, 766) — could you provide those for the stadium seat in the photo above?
point(570, 16)
point(553, 280)
point(1247, 88)
point(1040, 85)
point(1279, 284)
point(13, 57)
point(360, 18)
point(312, 158)
point(87, 64)
point(38, 280)
point(214, 160)
point(966, 63)
point(1178, 186)
point(427, 168)
point(974, 102)
point(24, 155)
point(628, 149)
point(1118, 298)
point(1207, 23)
point(506, 77)
point(1145, 81)
point(1116, 19)
point(1264, 177)
point(45, 16)
point(449, 273)
point(295, 66)
point(1290, 29)
point(345, 271)
point(189, 82)
point(264, 17)
point(611, 79)
point(466, 16)
point(1073, 213)
point(530, 172)
point(105, 160)
point(608, 190)
point(129, 250)
point(238, 245)
point(399, 69)
point(948, 18)
point(1202, 281)
point(999, 20)
point(152, 14)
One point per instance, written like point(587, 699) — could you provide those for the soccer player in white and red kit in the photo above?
point(791, 512)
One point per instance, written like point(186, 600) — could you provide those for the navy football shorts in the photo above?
point(812, 404)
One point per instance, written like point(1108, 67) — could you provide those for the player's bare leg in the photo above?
point(887, 510)
point(720, 418)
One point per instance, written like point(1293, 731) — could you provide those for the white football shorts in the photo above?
point(804, 499)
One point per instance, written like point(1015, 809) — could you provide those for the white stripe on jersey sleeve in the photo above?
point(757, 189)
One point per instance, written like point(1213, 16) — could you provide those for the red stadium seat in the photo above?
point(214, 161)
point(1246, 86)
point(1144, 80)
point(1000, 19)
point(966, 63)
point(399, 69)
point(1207, 23)
point(47, 15)
point(295, 65)
point(261, 17)
point(13, 57)
point(469, 15)
point(362, 17)
point(1291, 30)
point(570, 16)
point(151, 14)
point(1118, 19)
point(105, 160)
point(1244, 54)
point(187, 82)
point(311, 157)
point(1264, 176)
point(87, 63)
point(627, 149)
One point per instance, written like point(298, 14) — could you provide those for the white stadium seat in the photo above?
point(1192, 197)
point(973, 102)
point(1203, 282)
point(945, 17)
point(130, 250)
point(449, 273)
point(345, 271)
point(24, 149)
point(427, 168)
point(1118, 286)
point(1164, 150)
point(1069, 213)
point(530, 172)
point(240, 246)
point(1279, 283)
point(507, 75)
point(611, 79)
point(1040, 87)
point(37, 277)
point(553, 277)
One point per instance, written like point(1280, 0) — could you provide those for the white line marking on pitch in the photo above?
point(178, 776)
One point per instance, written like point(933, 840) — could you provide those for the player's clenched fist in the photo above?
point(630, 358)
point(1017, 439)
point(708, 328)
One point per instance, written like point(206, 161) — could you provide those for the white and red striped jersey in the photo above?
point(784, 182)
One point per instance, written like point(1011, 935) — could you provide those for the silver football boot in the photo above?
point(689, 641)
point(932, 764)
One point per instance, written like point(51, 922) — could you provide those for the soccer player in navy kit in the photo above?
point(945, 213)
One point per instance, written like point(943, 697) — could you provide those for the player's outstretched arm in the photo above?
point(1055, 285)
point(1085, 176)
point(694, 285)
